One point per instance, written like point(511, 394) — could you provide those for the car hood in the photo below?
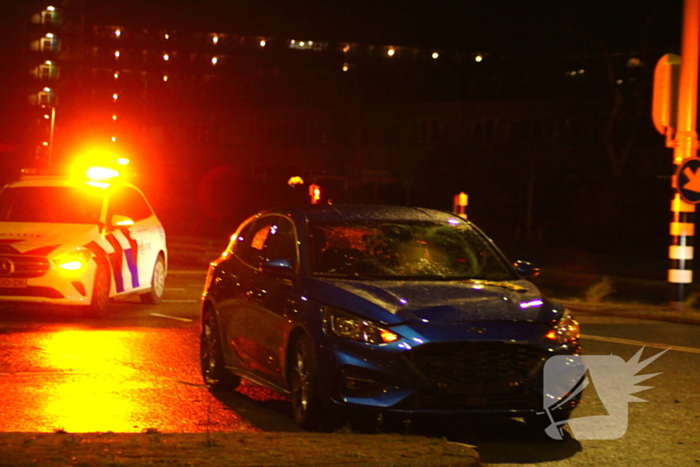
point(438, 301)
point(27, 237)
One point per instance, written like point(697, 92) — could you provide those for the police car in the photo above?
point(79, 242)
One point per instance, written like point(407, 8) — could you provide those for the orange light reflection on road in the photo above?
point(107, 396)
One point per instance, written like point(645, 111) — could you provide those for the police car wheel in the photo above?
point(155, 294)
point(100, 293)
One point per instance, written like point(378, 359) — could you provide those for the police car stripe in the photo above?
point(115, 259)
point(131, 256)
point(100, 254)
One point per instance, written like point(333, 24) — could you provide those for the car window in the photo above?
point(51, 204)
point(401, 249)
point(126, 201)
point(267, 238)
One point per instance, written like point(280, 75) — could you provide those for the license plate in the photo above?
point(12, 283)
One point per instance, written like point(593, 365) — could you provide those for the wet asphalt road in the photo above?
point(138, 371)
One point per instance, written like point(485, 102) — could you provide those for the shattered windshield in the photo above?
point(401, 250)
point(51, 204)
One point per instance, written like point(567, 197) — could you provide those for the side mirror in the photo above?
point(278, 267)
point(526, 270)
point(118, 220)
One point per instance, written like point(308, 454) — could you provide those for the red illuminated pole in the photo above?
point(682, 226)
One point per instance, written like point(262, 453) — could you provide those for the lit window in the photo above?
point(166, 57)
point(436, 55)
point(214, 60)
point(391, 52)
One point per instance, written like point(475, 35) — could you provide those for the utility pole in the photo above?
point(677, 119)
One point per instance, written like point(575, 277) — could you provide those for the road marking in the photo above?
point(641, 343)
point(187, 272)
point(181, 301)
point(158, 315)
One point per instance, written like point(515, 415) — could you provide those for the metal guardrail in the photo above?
point(196, 250)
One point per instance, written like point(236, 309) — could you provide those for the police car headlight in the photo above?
point(73, 262)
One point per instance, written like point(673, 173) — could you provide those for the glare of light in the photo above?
point(215, 39)
point(47, 89)
point(167, 36)
point(49, 35)
point(116, 75)
point(50, 8)
point(478, 58)
point(263, 43)
point(436, 55)
point(292, 42)
point(47, 116)
point(165, 78)
point(118, 32)
point(117, 54)
point(403, 301)
point(45, 143)
point(114, 139)
point(301, 44)
point(531, 304)
point(391, 52)
point(346, 48)
point(345, 67)
point(166, 57)
point(101, 173)
point(452, 221)
point(48, 62)
point(123, 161)
point(214, 60)
point(581, 71)
point(115, 96)
point(295, 181)
point(619, 81)
point(114, 117)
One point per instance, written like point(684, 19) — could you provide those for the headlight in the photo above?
point(344, 325)
point(566, 330)
point(73, 262)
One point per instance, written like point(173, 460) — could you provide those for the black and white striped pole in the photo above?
point(674, 113)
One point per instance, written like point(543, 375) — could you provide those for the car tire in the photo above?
point(155, 295)
point(100, 292)
point(211, 357)
point(303, 383)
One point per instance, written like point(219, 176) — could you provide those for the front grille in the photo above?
point(478, 373)
point(26, 266)
point(45, 292)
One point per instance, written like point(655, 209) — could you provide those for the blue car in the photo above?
point(380, 309)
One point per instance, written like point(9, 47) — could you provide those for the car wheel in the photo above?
point(303, 374)
point(155, 295)
point(100, 293)
point(211, 357)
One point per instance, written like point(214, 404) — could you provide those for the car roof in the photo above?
point(314, 213)
point(54, 180)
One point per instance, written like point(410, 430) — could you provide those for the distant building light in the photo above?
point(45, 143)
point(345, 67)
point(165, 78)
point(167, 36)
point(116, 74)
point(118, 32)
point(346, 48)
point(263, 43)
point(49, 35)
point(50, 8)
point(117, 54)
point(48, 62)
point(215, 39)
point(619, 81)
point(114, 117)
point(479, 58)
point(214, 60)
point(391, 52)
point(47, 89)
point(292, 42)
point(581, 71)
point(436, 55)
point(166, 57)
point(47, 117)
point(115, 96)
point(114, 139)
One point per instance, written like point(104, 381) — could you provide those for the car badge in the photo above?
point(7, 267)
point(477, 330)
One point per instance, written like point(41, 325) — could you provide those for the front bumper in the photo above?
point(444, 374)
point(52, 287)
